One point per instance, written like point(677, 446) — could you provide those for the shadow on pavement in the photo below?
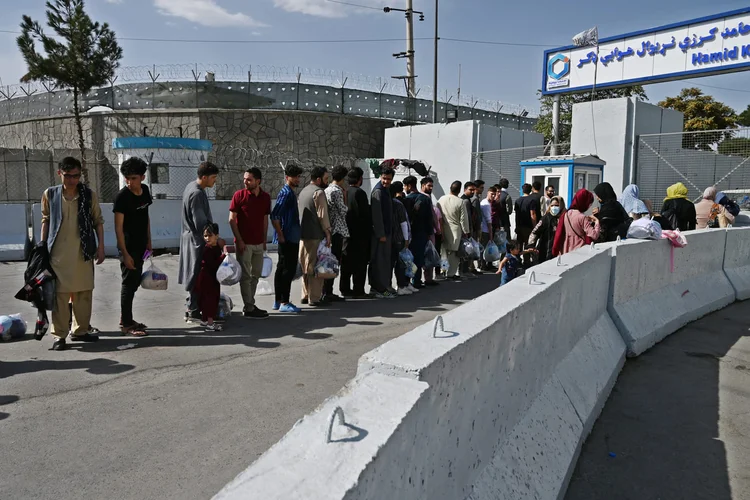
point(93, 366)
point(658, 436)
point(6, 400)
point(261, 333)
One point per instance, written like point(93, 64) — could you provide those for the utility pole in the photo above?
point(410, 78)
point(555, 124)
point(435, 75)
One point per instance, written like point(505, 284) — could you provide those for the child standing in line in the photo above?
point(206, 285)
point(510, 267)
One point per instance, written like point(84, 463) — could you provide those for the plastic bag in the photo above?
point(12, 327)
point(225, 306)
point(476, 250)
point(154, 278)
point(327, 266)
point(500, 239)
point(645, 229)
point(431, 256)
point(444, 265)
point(407, 261)
point(465, 248)
point(265, 287)
point(676, 238)
point(229, 272)
point(492, 253)
point(267, 266)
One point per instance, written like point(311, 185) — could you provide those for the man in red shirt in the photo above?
point(248, 217)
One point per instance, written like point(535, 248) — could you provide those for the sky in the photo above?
point(506, 73)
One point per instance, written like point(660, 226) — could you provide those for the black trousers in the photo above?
point(354, 261)
point(285, 271)
point(397, 267)
point(337, 249)
point(131, 280)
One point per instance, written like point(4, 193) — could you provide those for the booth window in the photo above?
point(159, 173)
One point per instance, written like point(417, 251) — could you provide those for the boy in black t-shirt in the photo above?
point(133, 230)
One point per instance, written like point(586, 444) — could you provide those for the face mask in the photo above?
point(554, 210)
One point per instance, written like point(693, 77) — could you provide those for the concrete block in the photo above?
point(14, 232)
point(166, 223)
point(493, 363)
point(303, 466)
point(737, 261)
point(649, 302)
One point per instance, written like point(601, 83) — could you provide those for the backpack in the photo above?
point(732, 207)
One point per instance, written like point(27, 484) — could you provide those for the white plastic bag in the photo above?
point(267, 266)
point(265, 287)
point(225, 306)
point(229, 272)
point(431, 256)
point(492, 252)
point(154, 278)
point(12, 327)
point(645, 229)
point(327, 266)
point(476, 250)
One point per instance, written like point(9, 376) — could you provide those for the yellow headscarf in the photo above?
point(676, 191)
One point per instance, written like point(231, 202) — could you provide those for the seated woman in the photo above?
point(611, 214)
point(575, 229)
point(677, 209)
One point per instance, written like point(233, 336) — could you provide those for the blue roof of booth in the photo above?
point(161, 143)
point(565, 159)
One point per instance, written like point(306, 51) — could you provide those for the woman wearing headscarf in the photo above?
point(707, 209)
point(611, 214)
point(629, 198)
point(677, 209)
point(543, 234)
point(725, 216)
point(575, 229)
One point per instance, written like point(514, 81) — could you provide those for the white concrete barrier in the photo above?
point(14, 232)
point(648, 301)
point(737, 261)
point(166, 224)
point(514, 384)
point(378, 414)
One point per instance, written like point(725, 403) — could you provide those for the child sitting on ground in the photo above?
point(510, 267)
point(206, 285)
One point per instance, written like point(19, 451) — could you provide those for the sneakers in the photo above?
point(276, 306)
point(385, 295)
point(256, 313)
point(290, 308)
point(403, 291)
point(412, 289)
point(213, 327)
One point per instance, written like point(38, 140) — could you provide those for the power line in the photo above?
point(718, 88)
point(356, 5)
point(488, 42)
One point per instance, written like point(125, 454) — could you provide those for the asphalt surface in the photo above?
point(178, 414)
point(677, 425)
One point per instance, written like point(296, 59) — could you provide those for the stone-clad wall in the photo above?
point(241, 139)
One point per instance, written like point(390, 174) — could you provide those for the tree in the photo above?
point(80, 55)
point(702, 113)
point(744, 118)
point(544, 124)
point(736, 146)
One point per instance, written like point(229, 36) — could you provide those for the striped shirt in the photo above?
point(287, 212)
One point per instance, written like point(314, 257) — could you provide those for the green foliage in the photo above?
point(80, 55)
point(744, 118)
point(544, 124)
point(737, 146)
point(702, 113)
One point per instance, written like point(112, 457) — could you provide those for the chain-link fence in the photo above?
point(491, 166)
point(719, 158)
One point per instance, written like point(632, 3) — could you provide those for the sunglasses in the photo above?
point(72, 176)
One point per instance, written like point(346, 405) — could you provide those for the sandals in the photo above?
point(134, 330)
point(214, 327)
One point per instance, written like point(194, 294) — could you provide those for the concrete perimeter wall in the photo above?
point(497, 404)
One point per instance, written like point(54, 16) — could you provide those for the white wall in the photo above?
point(610, 127)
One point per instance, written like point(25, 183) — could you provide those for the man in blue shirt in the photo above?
point(285, 219)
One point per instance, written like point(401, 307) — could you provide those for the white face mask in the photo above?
point(554, 210)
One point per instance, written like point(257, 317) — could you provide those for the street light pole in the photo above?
point(410, 78)
point(435, 75)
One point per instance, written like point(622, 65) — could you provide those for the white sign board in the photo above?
point(700, 47)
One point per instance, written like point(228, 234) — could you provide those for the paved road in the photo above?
point(678, 421)
point(178, 414)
